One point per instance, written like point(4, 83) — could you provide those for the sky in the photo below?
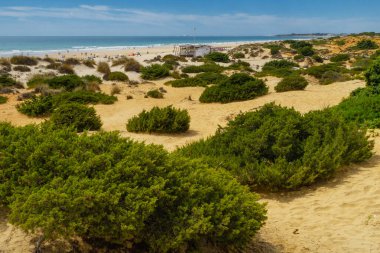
point(180, 17)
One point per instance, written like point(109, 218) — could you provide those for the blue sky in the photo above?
point(178, 17)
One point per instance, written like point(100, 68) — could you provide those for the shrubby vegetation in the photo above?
point(238, 55)
point(160, 120)
point(89, 63)
point(169, 203)
point(294, 82)
point(240, 65)
point(274, 49)
point(154, 72)
point(304, 48)
point(333, 77)
point(155, 94)
point(67, 82)
point(104, 68)
point(202, 79)
point(77, 116)
point(329, 73)
point(7, 81)
point(40, 79)
point(279, 68)
point(218, 57)
point(317, 58)
point(71, 61)
point(238, 87)
point(3, 99)
point(117, 76)
point(24, 60)
point(66, 69)
point(373, 75)
point(365, 44)
point(21, 68)
point(44, 105)
point(208, 67)
point(277, 148)
point(340, 58)
point(132, 65)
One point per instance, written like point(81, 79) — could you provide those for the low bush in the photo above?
point(238, 87)
point(7, 81)
point(298, 44)
point(330, 77)
point(340, 58)
point(6, 66)
point(92, 79)
point(274, 48)
point(277, 148)
point(238, 55)
point(3, 100)
point(240, 65)
point(366, 45)
point(75, 115)
point(40, 79)
point(340, 42)
point(218, 57)
point(317, 58)
point(37, 106)
point(103, 68)
point(155, 94)
point(24, 60)
point(71, 61)
point(117, 76)
point(372, 76)
point(289, 83)
point(68, 186)
point(208, 67)
point(67, 82)
point(279, 68)
point(66, 69)
point(154, 72)
point(21, 68)
point(54, 66)
point(202, 79)
point(319, 71)
point(160, 120)
point(299, 58)
point(132, 65)
point(89, 63)
point(115, 90)
point(306, 51)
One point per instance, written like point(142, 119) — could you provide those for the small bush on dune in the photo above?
point(366, 45)
point(166, 193)
point(89, 63)
point(7, 81)
point(202, 79)
point(117, 76)
point(76, 115)
point(291, 83)
point(279, 68)
point(66, 69)
point(155, 94)
point(238, 55)
point(317, 58)
point(92, 79)
point(299, 58)
point(54, 66)
point(24, 60)
point(218, 57)
point(319, 71)
point(40, 79)
point(241, 65)
point(115, 90)
point(6, 66)
point(306, 51)
point(3, 100)
point(22, 68)
point(67, 82)
point(372, 76)
point(71, 61)
point(209, 67)
point(330, 77)
point(154, 72)
point(132, 65)
point(277, 148)
point(103, 68)
point(238, 87)
point(340, 58)
point(37, 106)
point(160, 120)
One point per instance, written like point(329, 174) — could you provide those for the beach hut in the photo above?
point(193, 50)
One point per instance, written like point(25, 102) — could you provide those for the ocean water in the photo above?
point(35, 45)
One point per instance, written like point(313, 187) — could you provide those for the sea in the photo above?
point(40, 45)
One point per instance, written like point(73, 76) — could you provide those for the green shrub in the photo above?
point(362, 64)
point(299, 44)
point(317, 58)
point(89, 63)
point(54, 66)
point(37, 106)
point(67, 82)
point(71, 61)
point(7, 81)
point(241, 65)
point(92, 79)
point(67, 186)
point(299, 57)
point(366, 45)
point(160, 120)
point(40, 79)
point(103, 68)
point(218, 57)
point(66, 69)
point(155, 94)
point(75, 115)
point(306, 51)
point(154, 72)
point(279, 68)
point(340, 58)
point(277, 148)
point(3, 99)
point(319, 71)
point(117, 76)
point(291, 83)
point(6, 66)
point(208, 67)
point(340, 42)
point(202, 79)
point(238, 55)
point(372, 76)
point(21, 68)
point(24, 60)
point(333, 77)
point(238, 87)
point(132, 65)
